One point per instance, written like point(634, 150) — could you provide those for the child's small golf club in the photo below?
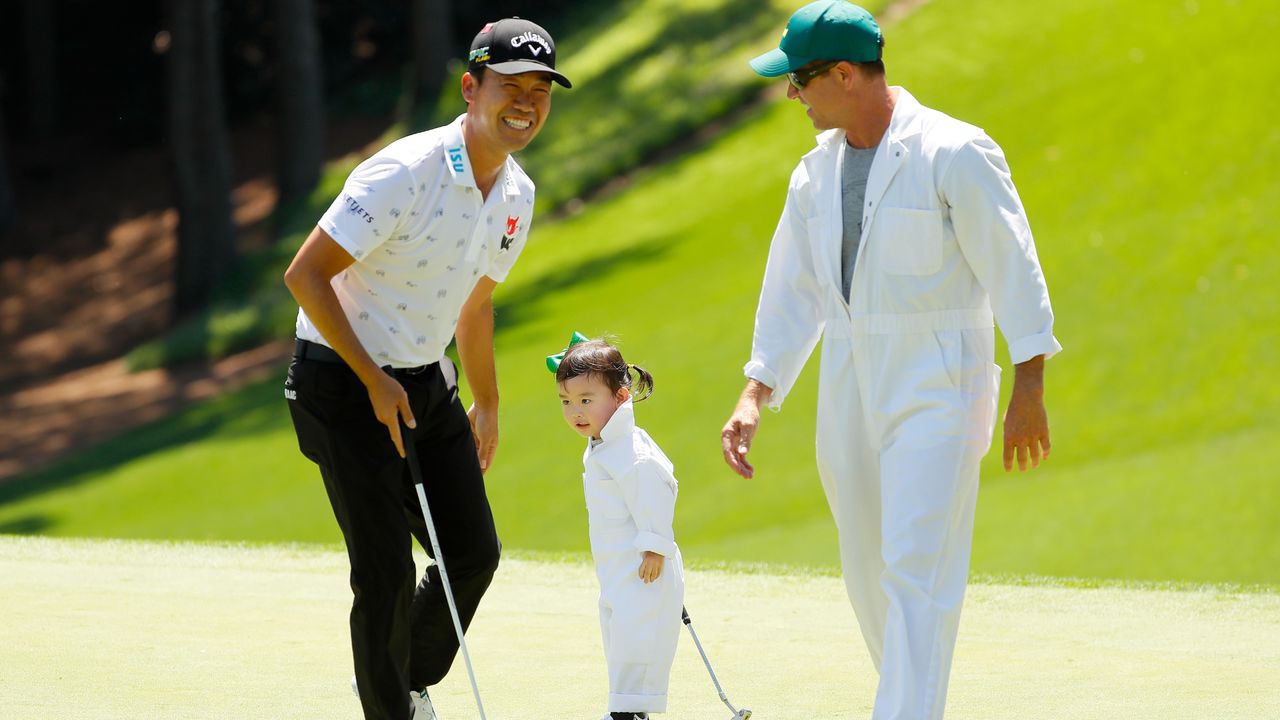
point(742, 714)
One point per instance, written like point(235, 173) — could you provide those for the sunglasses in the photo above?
point(801, 77)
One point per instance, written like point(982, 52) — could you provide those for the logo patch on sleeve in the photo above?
point(509, 237)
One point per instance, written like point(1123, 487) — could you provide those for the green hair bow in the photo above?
point(553, 361)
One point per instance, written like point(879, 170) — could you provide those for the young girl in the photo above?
point(631, 498)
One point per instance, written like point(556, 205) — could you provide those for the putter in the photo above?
point(742, 714)
point(411, 456)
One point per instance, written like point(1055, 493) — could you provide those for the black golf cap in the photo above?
point(513, 46)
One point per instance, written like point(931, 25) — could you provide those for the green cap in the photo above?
point(823, 30)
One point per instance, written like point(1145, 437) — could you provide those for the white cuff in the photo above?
point(757, 371)
point(637, 703)
point(654, 542)
point(1023, 349)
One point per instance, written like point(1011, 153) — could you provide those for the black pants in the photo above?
point(402, 638)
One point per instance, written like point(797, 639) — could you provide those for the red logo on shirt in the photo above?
point(511, 224)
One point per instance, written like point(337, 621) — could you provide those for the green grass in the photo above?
point(1148, 168)
point(255, 633)
point(646, 74)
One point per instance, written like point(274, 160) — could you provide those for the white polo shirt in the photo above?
point(422, 235)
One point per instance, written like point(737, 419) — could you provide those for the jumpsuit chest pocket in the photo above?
point(604, 499)
point(909, 240)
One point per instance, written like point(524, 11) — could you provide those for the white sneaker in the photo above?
point(422, 709)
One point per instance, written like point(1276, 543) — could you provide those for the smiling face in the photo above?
point(507, 111)
point(588, 403)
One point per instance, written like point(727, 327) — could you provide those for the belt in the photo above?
point(307, 350)
point(304, 350)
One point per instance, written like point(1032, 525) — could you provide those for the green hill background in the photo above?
point(1145, 147)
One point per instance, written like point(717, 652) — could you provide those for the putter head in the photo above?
point(743, 714)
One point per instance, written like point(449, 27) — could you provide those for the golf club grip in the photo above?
point(411, 456)
point(684, 615)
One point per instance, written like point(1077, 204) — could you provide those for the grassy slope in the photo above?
point(230, 632)
point(1149, 174)
point(631, 67)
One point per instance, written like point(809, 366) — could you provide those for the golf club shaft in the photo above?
point(439, 558)
point(689, 624)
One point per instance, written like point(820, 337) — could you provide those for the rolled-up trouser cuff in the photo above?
point(637, 703)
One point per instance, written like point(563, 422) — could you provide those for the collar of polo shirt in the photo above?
point(459, 162)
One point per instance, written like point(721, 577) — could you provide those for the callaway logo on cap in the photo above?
point(513, 46)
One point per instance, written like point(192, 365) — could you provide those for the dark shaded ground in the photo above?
point(85, 277)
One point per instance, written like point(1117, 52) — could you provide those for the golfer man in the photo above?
point(901, 237)
point(404, 260)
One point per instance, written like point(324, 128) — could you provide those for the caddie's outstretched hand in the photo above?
point(736, 437)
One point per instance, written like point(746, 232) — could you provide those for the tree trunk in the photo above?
point(431, 23)
point(300, 103)
point(39, 43)
point(201, 154)
point(8, 209)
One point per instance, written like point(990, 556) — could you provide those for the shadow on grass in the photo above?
point(26, 525)
point(658, 93)
point(248, 411)
point(529, 300)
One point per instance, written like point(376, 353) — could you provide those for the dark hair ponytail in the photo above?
point(599, 358)
point(642, 386)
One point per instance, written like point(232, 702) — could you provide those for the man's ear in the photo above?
point(847, 73)
point(469, 86)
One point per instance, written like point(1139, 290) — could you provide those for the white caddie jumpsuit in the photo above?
point(908, 385)
point(631, 499)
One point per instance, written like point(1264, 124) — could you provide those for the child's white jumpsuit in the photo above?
point(631, 498)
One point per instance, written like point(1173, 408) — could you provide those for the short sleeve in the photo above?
point(368, 210)
point(511, 244)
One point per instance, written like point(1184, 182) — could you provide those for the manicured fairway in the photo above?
point(133, 630)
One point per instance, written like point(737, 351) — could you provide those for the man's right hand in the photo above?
point(309, 278)
point(740, 430)
point(390, 405)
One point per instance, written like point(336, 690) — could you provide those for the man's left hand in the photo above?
point(484, 428)
point(1026, 423)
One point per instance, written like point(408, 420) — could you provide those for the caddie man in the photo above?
point(901, 241)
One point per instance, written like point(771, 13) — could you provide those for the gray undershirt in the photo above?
point(853, 187)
